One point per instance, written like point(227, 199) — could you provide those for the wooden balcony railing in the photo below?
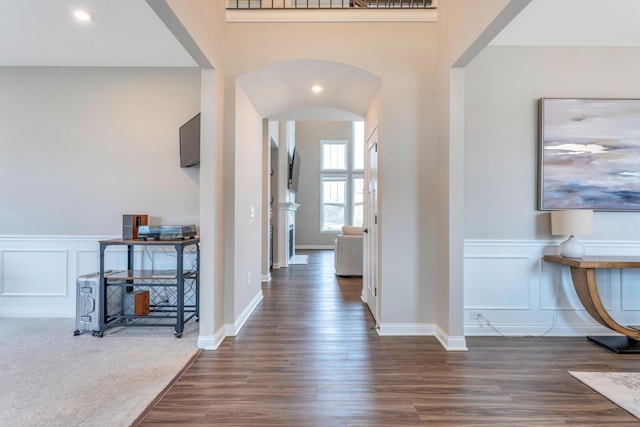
point(330, 4)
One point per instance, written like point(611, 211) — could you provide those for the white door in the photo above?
point(370, 289)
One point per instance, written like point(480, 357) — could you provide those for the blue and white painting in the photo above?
point(590, 152)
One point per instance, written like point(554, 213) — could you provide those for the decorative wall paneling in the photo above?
point(38, 273)
point(508, 286)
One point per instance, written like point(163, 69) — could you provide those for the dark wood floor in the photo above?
point(308, 357)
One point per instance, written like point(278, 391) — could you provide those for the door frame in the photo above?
point(371, 270)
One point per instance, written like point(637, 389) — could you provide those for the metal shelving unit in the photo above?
point(173, 295)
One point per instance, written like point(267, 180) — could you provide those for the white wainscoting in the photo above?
point(512, 290)
point(38, 273)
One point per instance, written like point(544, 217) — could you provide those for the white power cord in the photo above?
point(488, 323)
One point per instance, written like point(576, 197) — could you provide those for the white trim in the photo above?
point(57, 237)
point(537, 330)
point(634, 244)
point(553, 306)
point(316, 247)
point(332, 15)
point(59, 313)
point(50, 279)
point(407, 329)
point(451, 343)
point(266, 278)
point(233, 329)
point(211, 342)
point(288, 206)
point(343, 178)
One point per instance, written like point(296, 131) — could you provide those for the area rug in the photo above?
point(50, 377)
point(622, 388)
point(299, 259)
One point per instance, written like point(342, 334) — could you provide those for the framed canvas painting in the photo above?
point(589, 154)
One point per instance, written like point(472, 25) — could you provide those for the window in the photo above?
point(342, 181)
point(357, 212)
point(358, 146)
point(333, 202)
point(334, 155)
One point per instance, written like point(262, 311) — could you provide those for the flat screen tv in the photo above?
point(190, 142)
point(294, 171)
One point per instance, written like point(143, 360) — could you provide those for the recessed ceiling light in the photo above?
point(316, 88)
point(82, 15)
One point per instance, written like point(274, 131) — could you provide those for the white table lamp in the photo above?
point(571, 223)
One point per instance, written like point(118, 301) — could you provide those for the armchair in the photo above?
point(348, 255)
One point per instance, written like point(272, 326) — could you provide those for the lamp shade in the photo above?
point(572, 222)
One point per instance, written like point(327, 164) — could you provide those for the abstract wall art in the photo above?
point(589, 154)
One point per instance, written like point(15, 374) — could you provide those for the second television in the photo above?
point(190, 142)
point(294, 171)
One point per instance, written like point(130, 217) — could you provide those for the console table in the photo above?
point(583, 274)
point(166, 288)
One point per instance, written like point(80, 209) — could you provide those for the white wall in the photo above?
point(274, 140)
point(403, 55)
point(247, 289)
point(465, 27)
point(308, 137)
point(505, 234)
point(80, 147)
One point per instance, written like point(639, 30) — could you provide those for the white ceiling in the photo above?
point(123, 33)
point(574, 23)
point(283, 90)
point(129, 33)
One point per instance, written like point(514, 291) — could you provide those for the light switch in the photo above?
point(252, 212)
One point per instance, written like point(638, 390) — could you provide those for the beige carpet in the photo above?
point(48, 377)
point(622, 388)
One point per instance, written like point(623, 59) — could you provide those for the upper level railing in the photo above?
point(330, 4)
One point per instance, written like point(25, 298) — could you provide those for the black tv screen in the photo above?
point(294, 171)
point(190, 142)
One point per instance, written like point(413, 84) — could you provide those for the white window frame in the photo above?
point(345, 145)
point(354, 146)
point(345, 205)
point(348, 174)
point(352, 204)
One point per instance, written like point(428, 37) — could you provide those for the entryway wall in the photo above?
point(505, 234)
point(69, 180)
point(308, 137)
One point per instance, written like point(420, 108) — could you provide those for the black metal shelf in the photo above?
point(173, 294)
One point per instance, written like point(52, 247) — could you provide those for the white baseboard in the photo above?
point(449, 342)
point(406, 329)
point(536, 330)
point(266, 278)
point(211, 342)
point(232, 330)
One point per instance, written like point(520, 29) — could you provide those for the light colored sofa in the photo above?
point(349, 252)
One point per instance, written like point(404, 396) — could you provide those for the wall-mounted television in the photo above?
point(190, 142)
point(294, 171)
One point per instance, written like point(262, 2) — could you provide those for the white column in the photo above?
point(286, 218)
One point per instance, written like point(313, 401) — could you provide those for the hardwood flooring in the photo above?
point(308, 356)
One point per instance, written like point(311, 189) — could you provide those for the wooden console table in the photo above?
point(583, 274)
